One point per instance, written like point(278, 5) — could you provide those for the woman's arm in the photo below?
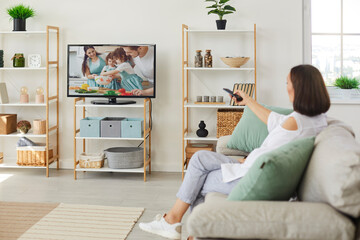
point(259, 110)
point(113, 72)
point(88, 74)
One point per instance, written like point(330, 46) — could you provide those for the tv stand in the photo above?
point(113, 101)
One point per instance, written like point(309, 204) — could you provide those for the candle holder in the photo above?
point(24, 96)
point(39, 98)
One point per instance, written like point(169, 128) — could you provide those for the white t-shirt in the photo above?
point(125, 66)
point(146, 64)
point(278, 136)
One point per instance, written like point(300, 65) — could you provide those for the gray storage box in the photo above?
point(90, 127)
point(132, 128)
point(125, 157)
point(111, 127)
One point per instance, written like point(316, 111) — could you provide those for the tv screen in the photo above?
point(112, 71)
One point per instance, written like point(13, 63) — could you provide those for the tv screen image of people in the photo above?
point(111, 70)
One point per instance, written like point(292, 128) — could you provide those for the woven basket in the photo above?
point(227, 119)
point(91, 160)
point(33, 156)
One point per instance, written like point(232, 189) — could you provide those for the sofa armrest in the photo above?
point(220, 218)
point(222, 148)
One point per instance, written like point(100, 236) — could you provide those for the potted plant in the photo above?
point(220, 9)
point(348, 86)
point(19, 14)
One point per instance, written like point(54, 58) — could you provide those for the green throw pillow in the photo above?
point(251, 132)
point(275, 175)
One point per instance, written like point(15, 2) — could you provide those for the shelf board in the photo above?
point(28, 135)
point(31, 104)
point(13, 164)
point(193, 136)
point(109, 138)
point(88, 104)
point(193, 105)
point(107, 169)
point(218, 69)
point(218, 31)
point(22, 32)
point(24, 68)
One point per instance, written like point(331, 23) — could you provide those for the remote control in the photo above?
point(238, 98)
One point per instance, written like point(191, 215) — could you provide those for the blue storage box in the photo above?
point(132, 128)
point(90, 127)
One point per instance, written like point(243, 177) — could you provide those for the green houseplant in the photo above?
point(220, 8)
point(19, 14)
point(345, 82)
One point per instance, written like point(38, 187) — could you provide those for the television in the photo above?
point(111, 71)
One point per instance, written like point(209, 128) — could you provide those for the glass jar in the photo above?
point(198, 59)
point(208, 59)
point(18, 60)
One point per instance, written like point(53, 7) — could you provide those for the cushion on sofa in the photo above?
point(333, 173)
point(275, 175)
point(221, 147)
point(251, 132)
point(219, 218)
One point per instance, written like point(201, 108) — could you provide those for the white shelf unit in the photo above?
point(50, 64)
point(186, 68)
point(146, 105)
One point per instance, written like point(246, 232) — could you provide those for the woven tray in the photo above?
point(227, 119)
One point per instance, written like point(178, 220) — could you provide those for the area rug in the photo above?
point(47, 221)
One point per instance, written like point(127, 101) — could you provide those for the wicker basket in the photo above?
point(89, 160)
point(32, 156)
point(227, 119)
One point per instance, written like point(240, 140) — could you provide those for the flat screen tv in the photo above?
point(111, 71)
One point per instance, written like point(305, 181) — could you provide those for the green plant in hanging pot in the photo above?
point(220, 8)
point(19, 14)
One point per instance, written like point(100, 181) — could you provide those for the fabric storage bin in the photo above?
point(91, 160)
point(33, 156)
point(125, 157)
point(8, 123)
point(132, 128)
point(90, 127)
point(111, 127)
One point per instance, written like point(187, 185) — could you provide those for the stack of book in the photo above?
point(1, 58)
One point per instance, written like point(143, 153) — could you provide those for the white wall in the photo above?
point(279, 25)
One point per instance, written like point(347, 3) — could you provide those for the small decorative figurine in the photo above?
point(24, 96)
point(24, 126)
point(202, 132)
point(39, 95)
point(208, 59)
point(198, 59)
point(18, 60)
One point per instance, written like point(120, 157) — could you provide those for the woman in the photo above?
point(213, 172)
point(92, 65)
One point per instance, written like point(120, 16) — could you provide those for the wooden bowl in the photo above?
point(235, 62)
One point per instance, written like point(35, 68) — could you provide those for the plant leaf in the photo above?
point(210, 0)
point(228, 7)
point(227, 12)
point(215, 11)
point(212, 6)
point(223, 1)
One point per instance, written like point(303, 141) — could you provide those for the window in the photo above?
point(332, 37)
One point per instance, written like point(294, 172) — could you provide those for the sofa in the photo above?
point(327, 204)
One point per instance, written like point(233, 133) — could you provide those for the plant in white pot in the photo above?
point(220, 8)
point(19, 14)
point(349, 86)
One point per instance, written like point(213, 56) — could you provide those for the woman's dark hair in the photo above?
point(120, 53)
point(84, 66)
point(310, 94)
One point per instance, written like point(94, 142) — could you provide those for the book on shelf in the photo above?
point(248, 88)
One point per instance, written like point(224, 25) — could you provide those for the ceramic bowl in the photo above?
point(235, 62)
point(103, 80)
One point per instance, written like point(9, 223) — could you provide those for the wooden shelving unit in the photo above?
point(146, 105)
point(49, 100)
point(186, 68)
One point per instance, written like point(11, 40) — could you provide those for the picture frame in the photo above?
point(4, 98)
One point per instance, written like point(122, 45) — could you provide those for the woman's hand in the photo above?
point(91, 76)
point(244, 96)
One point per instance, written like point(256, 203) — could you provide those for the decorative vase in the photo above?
point(221, 24)
point(198, 59)
point(19, 24)
point(208, 59)
point(202, 132)
point(18, 60)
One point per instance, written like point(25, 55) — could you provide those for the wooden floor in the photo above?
point(109, 189)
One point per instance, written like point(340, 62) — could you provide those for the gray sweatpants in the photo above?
point(203, 175)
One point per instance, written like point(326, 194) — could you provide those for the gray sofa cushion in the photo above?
point(221, 147)
point(333, 173)
point(219, 218)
